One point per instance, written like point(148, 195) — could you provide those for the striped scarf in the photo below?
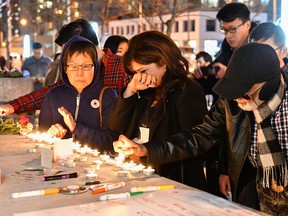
point(270, 157)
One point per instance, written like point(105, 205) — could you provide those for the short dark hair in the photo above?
point(206, 56)
point(37, 45)
point(113, 42)
point(266, 30)
point(79, 47)
point(232, 11)
point(79, 27)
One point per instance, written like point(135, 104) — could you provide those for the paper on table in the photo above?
point(46, 157)
point(166, 202)
point(63, 149)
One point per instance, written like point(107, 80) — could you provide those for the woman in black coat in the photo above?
point(160, 101)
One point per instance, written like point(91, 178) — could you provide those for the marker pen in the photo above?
point(35, 193)
point(151, 188)
point(92, 182)
point(108, 187)
point(58, 177)
point(118, 196)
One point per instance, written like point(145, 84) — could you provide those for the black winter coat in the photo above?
point(183, 106)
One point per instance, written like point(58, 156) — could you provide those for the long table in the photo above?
point(14, 158)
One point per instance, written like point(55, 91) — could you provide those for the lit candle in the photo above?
point(91, 176)
point(94, 153)
point(135, 169)
point(104, 157)
point(123, 173)
point(90, 170)
point(148, 171)
point(97, 164)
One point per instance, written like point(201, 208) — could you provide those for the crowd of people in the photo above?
point(139, 97)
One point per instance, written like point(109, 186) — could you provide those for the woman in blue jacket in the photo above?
point(72, 109)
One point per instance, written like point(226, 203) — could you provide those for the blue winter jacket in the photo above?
point(87, 130)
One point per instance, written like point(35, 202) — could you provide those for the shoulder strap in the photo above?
point(100, 104)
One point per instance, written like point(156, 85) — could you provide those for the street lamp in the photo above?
point(23, 22)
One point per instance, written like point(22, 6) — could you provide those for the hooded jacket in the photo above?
point(84, 107)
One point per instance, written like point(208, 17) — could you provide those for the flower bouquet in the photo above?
point(13, 73)
point(20, 125)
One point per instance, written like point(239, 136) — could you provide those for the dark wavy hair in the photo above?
point(155, 47)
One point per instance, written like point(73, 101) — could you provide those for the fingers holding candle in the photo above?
point(57, 130)
point(128, 147)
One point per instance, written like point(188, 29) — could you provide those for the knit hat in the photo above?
point(249, 64)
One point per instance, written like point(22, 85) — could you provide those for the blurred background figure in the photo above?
point(203, 60)
point(16, 62)
point(117, 44)
point(38, 65)
point(2, 61)
point(53, 74)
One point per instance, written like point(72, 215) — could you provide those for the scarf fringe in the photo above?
point(277, 174)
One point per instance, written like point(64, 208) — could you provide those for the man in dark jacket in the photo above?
point(252, 114)
point(38, 65)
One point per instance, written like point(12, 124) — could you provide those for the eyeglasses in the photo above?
point(84, 67)
point(248, 96)
point(230, 30)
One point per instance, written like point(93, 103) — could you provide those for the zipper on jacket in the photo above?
point(76, 113)
point(77, 106)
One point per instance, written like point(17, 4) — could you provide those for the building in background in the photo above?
point(40, 19)
point(197, 30)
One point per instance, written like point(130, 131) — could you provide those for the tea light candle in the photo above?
point(118, 163)
point(91, 176)
point(104, 157)
point(148, 171)
point(83, 158)
point(31, 150)
point(94, 153)
point(135, 169)
point(97, 164)
point(90, 170)
point(123, 173)
point(82, 151)
point(39, 145)
point(70, 164)
point(61, 163)
point(110, 161)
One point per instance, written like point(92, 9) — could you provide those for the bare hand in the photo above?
point(57, 130)
point(140, 81)
point(224, 184)
point(6, 109)
point(128, 147)
point(198, 73)
point(68, 118)
point(41, 79)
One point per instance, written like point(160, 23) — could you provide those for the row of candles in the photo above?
point(82, 153)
